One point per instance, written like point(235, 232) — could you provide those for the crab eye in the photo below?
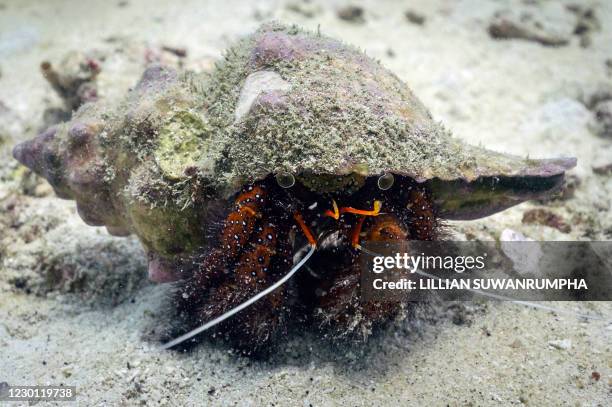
point(386, 181)
point(285, 180)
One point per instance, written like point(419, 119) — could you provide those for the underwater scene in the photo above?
point(304, 202)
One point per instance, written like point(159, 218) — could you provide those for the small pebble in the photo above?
point(561, 344)
point(603, 169)
point(353, 14)
point(414, 17)
point(178, 51)
point(67, 371)
point(509, 235)
point(516, 344)
point(305, 8)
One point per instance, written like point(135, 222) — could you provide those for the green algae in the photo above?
point(181, 142)
point(166, 230)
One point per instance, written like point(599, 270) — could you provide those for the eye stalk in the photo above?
point(386, 181)
point(285, 180)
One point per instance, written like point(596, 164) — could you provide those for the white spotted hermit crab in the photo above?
point(295, 148)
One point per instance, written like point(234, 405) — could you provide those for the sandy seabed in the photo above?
point(75, 307)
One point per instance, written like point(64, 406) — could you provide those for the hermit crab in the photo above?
point(294, 150)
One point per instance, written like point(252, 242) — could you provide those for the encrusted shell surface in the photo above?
point(281, 101)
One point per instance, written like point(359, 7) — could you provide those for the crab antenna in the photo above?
point(242, 306)
point(503, 297)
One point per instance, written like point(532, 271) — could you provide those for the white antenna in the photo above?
point(242, 306)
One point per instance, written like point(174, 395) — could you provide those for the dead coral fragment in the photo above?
point(554, 30)
point(74, 78)
point(507, 25)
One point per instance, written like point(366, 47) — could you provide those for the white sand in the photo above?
point(513, 96)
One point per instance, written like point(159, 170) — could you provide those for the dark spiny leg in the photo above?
point(216, 263)
point(340, 305)
point(252, 254)
point(258, 267)
point(423, 222)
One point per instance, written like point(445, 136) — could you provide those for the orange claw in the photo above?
point(305, 229)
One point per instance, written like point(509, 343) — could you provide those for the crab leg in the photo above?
point(251, 273)
point(257, 267)
point(423, 220)
point(238, 228)
point(341, 306)
point(258, 239)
